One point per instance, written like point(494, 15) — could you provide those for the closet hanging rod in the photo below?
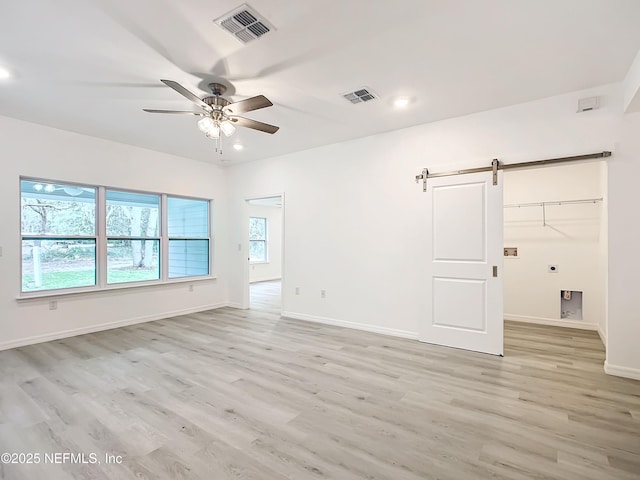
point(558, 202)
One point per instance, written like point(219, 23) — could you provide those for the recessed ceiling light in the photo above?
point(4, 73)
point(237, 146)
point(401, 102)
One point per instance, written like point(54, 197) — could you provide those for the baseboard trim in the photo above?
point(618, 371)
point(551, 321)
point(236, 305)
point(354, 325)
point(23, 342)
point(603, 337)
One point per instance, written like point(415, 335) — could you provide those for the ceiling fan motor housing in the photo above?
point(215, 101)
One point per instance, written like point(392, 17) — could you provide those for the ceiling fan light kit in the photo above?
point(206, 124)
point(220, 114)
point(227, 128)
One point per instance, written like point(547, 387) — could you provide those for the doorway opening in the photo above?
point(265, 252)
point(555, 245)
point(266, 296)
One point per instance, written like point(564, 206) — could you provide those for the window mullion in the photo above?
point(164, 239)
point(101, 240)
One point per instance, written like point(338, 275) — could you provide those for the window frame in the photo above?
point(265, 241)
point(155, 238)
point(168, 238)
point(58, 237)
point(101, 241)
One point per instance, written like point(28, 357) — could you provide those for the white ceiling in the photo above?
point(90, 66)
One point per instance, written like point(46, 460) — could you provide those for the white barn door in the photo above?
point(465, 258)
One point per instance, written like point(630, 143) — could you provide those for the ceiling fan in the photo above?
point(219, 114)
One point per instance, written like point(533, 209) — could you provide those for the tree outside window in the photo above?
point(58, 224)
point(133, 239)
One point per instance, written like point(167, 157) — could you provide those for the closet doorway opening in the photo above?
point(555, 245)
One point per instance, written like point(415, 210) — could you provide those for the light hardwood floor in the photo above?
point(232, 394)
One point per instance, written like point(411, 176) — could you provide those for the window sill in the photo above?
point(259, 263)
point(25, 297)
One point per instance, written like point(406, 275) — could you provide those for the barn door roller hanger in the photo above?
point(496, 165)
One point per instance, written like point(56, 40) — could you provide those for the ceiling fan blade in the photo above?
point(150, 110)
point(186, 93)
point(248, 105)
point(247, 122)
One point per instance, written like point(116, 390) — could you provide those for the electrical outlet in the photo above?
point(297, 290)
point(0, 251)
point(53, 304)
point(323, 294)
point(553, 268)
point(191, 288)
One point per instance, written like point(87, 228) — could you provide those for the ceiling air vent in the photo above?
point(587, 104)
point(360, 96)
point(244, 23)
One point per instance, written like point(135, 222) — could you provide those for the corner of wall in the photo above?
point(632, 87)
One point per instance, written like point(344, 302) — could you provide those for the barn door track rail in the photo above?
point(496, 165)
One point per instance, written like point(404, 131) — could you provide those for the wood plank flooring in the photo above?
point(232, 394)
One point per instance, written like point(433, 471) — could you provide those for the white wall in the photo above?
point(572, 239)
point(354, 212)
point(272, 269)
point(623, 336)
point(37, 151)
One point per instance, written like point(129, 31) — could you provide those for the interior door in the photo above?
point(465, 259)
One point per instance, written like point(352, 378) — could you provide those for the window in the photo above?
point(257, 239)
point(88, 236)
point(133, 236)
point(58, 225)
point(188, 221)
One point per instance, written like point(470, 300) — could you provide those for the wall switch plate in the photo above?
point(0, 251)
point(323, 294)
point(53, 304)
point(191, 288)
point(297, 290)
point(553, 269)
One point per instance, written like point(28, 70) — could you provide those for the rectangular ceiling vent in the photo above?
point(360, 96)
point(245, 24)
point(588, 104)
